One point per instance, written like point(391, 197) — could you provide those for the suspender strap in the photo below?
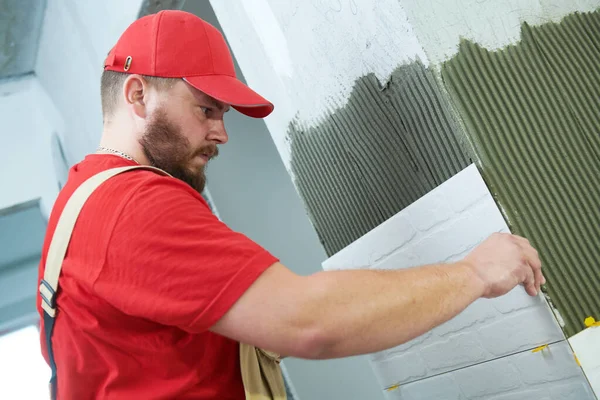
point(261, 373)
point(58, 248)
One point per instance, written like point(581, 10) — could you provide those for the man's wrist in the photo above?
point(474, 280)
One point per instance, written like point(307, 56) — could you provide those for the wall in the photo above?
point(28, 121)
point(342, 122)
point(20, 32)
point(28, 188)
point(18, 287)
point(491, 24)
point(463, 358)
point(531, 111)
point(306, 56)
point(352, 105)
point(253, 194)
point(76, 36)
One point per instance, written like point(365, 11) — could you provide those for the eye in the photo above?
point(206, 110)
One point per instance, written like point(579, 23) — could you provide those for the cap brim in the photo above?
point(229, 90)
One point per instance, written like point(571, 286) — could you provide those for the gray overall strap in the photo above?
point(58, 248)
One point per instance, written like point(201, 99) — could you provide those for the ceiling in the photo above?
point(20, 28)
point(21, 25)
point(154, 6)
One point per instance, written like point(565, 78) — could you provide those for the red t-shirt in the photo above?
point(148, 271)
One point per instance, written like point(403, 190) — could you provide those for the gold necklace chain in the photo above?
point(118, 153)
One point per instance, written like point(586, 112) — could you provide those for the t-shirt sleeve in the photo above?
point(172, 261)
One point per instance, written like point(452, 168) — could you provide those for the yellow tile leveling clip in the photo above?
point(393, 387)
point(540, 348)
point(590, 321)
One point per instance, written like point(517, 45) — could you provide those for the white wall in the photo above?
point(305, 55)
point(440, 25)
point(28, 121)
point(76, 36)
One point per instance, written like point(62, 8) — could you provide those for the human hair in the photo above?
point(111, 85)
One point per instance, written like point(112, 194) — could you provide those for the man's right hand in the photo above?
point(504, 261)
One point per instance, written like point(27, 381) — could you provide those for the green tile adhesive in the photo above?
point(532, 114)
point(388, 146)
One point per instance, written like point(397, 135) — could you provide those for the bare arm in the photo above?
point(344, 313)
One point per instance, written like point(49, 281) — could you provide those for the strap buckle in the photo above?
point(49, 296)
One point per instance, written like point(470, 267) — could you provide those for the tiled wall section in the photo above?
point(551, 374)
point(443, 226)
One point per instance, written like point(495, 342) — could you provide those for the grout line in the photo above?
point(473, 365)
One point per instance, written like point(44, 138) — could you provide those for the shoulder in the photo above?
point(150, 188)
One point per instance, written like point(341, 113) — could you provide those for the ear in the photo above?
point(135, 91)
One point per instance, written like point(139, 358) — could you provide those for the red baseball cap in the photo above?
point(178, 44)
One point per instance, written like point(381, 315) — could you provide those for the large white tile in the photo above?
point(441, 227)
point(551, 374)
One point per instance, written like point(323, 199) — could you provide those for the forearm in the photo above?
point(343, 313)
point(365, 311)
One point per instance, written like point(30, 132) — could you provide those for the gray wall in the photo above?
point(254, 194)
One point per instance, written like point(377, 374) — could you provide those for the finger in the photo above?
point(534, 278)
point(531, 253)
point(521, 239)
point(529, 282)
point(539, 279)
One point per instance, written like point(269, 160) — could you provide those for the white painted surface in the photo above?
point(27, 124)
point(76, 36)
point(440, 25)
point(305, 56)
point(443, 226)
point(586, 345)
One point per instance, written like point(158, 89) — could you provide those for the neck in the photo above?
point(117, 140)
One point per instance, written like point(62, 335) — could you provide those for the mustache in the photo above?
point(211, 151)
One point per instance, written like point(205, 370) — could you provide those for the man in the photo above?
point(155, 292)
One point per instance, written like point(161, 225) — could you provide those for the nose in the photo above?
point(218, 132)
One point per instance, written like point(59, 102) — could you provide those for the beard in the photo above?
point(166, 148)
